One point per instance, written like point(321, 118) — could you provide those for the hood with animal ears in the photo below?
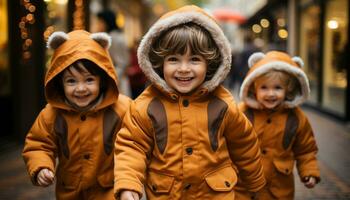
point(261, 63)
point(71, 47)
point(184, 15)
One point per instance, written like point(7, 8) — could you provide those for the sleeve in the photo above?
point(244, 149)
point(133, 145)
point(305, 149)
point(40, 146)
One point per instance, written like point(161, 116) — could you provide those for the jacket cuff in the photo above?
point(127, 184)
point(314, 173)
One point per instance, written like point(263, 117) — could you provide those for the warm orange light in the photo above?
point(256, 28)
point(283, 33)
point(333, 24)
point(264, 23)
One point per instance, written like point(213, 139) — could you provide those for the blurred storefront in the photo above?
point(318, 32)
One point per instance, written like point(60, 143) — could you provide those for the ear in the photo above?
point(254, 58)
point(103, 39)
point(299, 61)
point(56, 39)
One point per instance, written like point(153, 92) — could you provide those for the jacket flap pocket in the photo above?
point(160, 183)
point(106, 179)
point(284, 166)
point(68, 180)
point(223, 179)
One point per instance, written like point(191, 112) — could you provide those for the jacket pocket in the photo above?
point(160, 183)
point(106, 180)
point(222, 180)
point(68, 180)
point(284, 166)
point(282, 184)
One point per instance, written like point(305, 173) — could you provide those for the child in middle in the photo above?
point(271, 92)
point(184, 137)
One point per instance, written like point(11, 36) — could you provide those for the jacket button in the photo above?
point(154, 187)
point(87, 156)
point(268, 120)
point(189, 151)
point(264, 151)
point(83, 118)
point(185, 102)
point(187, 186)
point(227, 184)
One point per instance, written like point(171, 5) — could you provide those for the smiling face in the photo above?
point(184, 73)
point(80, 87)
point(270, 92)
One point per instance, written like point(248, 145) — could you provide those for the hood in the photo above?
point(74, 46)
point(261, 63)
point(184, 15)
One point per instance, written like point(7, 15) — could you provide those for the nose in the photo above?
point(81, 87)
point(184, 67)
point(271, 93)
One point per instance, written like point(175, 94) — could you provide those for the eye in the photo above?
point(90, 79)
point(278, 87)
point(172, 59)
point(263, 87)
point(195, 59)
point(70, 81)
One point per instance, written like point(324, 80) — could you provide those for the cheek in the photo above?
point(67, 90)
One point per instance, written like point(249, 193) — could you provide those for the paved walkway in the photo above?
point(333, 139)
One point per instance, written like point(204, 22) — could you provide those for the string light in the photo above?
point(26, 21)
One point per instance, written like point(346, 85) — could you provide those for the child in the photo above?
point(79, 123)
point(271, 92)
point(184, 137)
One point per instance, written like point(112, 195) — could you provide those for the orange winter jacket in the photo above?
point(286, 139)
point(83, 142)
point(285, 135)
point(186, 147)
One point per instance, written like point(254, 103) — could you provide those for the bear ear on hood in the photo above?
point(103, 39)
point(298, 61)
point(254, 58)
point(56, 39)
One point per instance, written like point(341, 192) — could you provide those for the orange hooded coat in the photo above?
point(285, 135)
point(82, 141)
point(185, 147)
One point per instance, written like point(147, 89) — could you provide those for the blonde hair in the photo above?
point(291, 84)
point(179, 39)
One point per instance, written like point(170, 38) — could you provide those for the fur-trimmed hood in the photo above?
point(71, 47)
point(184, 15)
point(261, 63)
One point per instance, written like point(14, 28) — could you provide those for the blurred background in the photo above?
point(315, 30)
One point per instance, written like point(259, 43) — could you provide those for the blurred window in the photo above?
point(334, 64)
point(309, 45)
point(55, 20)
point(4, 66)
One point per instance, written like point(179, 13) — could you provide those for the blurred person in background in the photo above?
point(239, 66)
point(136, 77)
point(106, 22)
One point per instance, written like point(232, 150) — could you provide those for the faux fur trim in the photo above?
point(177, 19)
point(255, 57)
point(298, 61)
point(56, 39)
point(281, 66)
point(103, 39)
